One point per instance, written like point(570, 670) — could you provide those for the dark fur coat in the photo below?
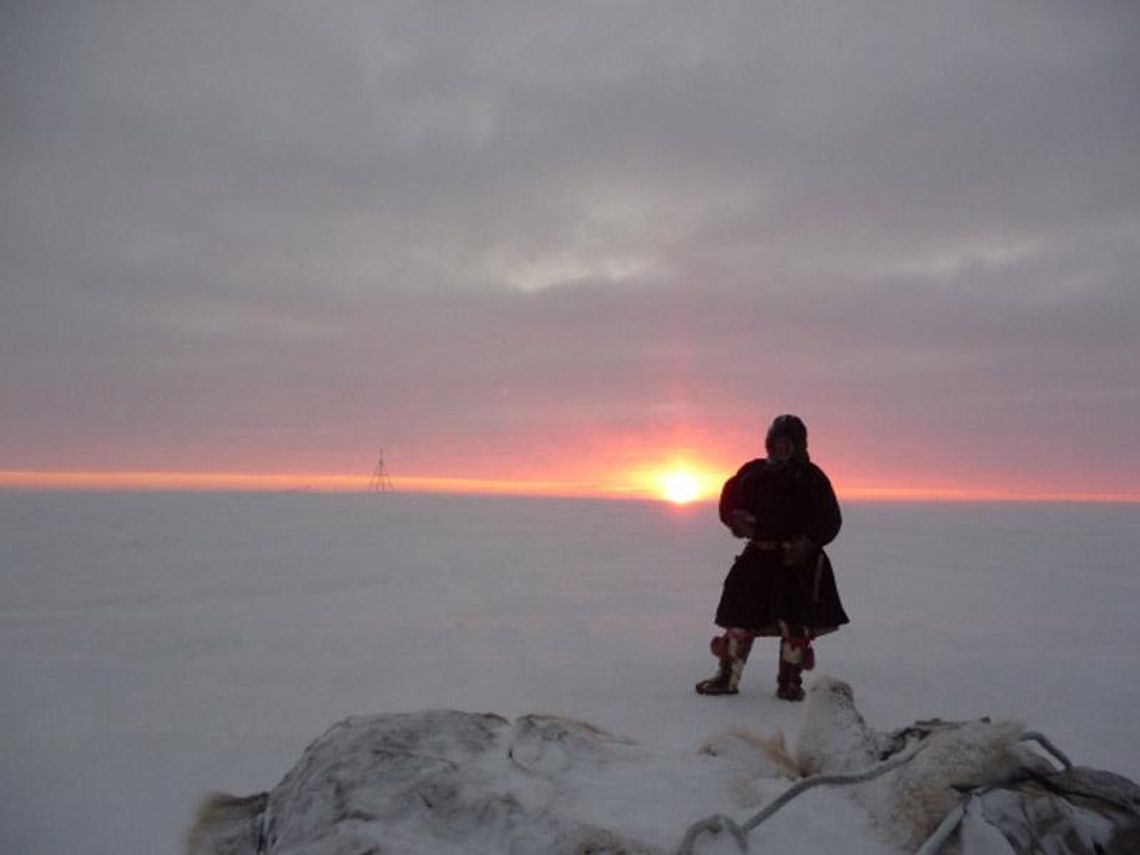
point(769, 582)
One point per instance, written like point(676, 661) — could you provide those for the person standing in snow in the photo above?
point(782, 584)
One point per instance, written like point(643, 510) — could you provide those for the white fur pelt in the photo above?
point(833, 736)
point(448, 781)
point(908, 803)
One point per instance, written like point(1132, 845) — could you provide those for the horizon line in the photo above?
point(246, 482)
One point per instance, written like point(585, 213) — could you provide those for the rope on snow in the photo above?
point(952, 820)
point(719, 822)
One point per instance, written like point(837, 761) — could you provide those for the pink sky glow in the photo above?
point(570, 250)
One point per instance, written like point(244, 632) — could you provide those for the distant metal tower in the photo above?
point(381, 481)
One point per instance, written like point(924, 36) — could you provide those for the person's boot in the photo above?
point(798, 651)
point(731, 654)
point(790, 685)
point(789, 681)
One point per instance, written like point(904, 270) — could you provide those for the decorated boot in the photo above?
point(731, 654)
point(798, 651)
point(789, 681)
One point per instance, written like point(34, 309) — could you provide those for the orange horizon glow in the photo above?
point(674, 482)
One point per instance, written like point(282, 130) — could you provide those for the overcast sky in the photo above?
point(547, 241)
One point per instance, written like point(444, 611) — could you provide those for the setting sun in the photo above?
point(680, 487)
point(679, 481)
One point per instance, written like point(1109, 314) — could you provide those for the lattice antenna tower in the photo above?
point(381, 481)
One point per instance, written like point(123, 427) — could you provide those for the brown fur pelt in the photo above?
point(766, 756)
point(224, 824)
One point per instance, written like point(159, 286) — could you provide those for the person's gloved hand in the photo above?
point(742, 523)
point(800, 550)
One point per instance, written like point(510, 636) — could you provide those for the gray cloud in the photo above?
point(253, 231)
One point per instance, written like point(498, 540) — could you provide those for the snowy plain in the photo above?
point(157, 646)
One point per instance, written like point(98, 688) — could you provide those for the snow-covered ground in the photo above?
point(153, 647)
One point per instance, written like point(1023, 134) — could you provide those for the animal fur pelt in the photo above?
point(906, 804)
point(444, 782)
point(449, 782)
point(1013, 799)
